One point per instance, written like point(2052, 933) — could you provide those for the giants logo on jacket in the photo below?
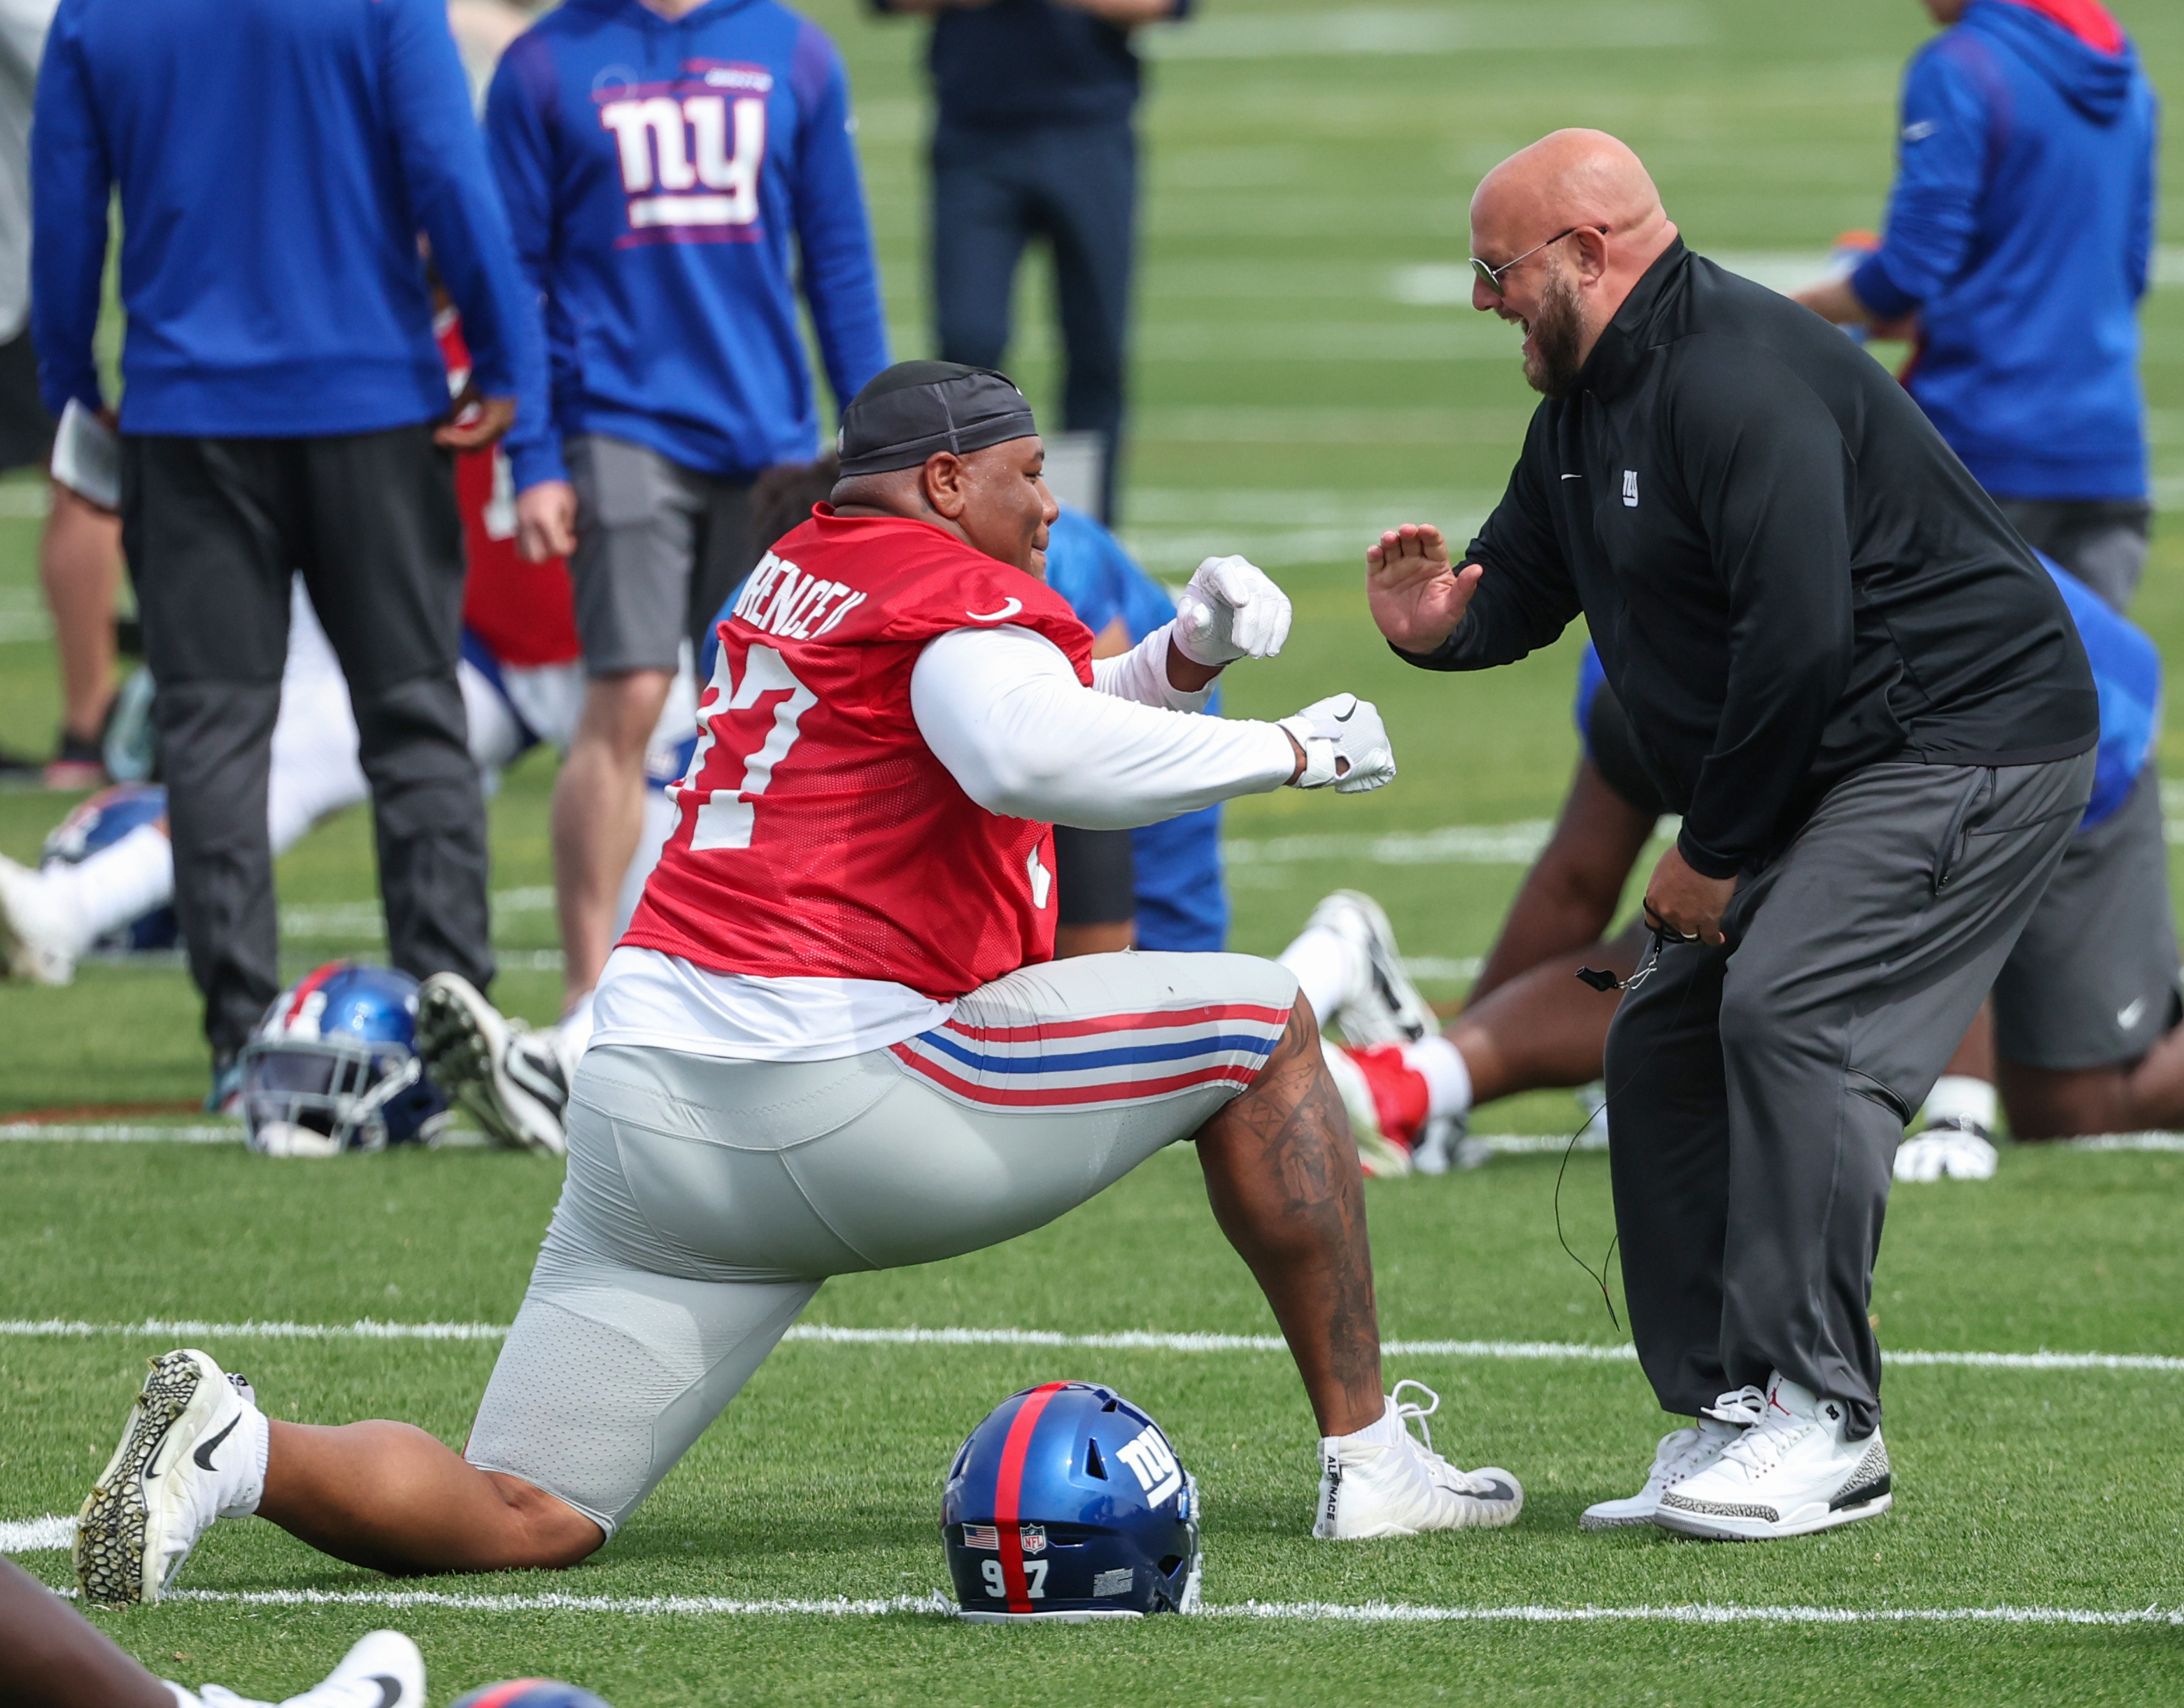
point(691, 151)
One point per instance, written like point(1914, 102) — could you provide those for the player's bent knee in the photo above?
point(543, 1531)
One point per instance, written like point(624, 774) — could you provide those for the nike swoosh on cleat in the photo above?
point(390, 1688)
point(203, 1455)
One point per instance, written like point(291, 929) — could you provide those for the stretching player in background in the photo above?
point(2081, 1032)
point(1154, 886)
point(832, 1040)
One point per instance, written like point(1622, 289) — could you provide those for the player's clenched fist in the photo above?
point(1346, 745)
point(1417, 596)
point(1232, 610)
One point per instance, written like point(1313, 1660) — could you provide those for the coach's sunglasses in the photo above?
point(1491, 276)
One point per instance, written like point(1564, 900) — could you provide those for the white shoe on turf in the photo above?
point(1951, 1149)
point(1382, 1006)
point(1383, 1481)
point(178, 1468)
point(1682, 1454)
point(1793, 1470)
point(1378, 1156)
point(36, 944)
point(509, 1077)
point(382, 1670)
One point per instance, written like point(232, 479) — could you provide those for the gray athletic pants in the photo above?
point(2102, 542)
point(215, 530)
point(1758, 1091)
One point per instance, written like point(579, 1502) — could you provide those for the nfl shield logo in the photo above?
point(1034, 1539)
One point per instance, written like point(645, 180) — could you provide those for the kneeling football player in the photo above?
point(832, 1040)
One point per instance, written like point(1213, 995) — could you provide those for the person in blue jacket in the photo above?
point(673, 170)
point(2020, 236)
point(285, 409)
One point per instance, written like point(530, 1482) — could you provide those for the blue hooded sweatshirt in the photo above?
point(277, 160)
point(657, 173)
point(2021, 228)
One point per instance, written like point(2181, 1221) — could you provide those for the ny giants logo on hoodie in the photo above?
point(690, 152)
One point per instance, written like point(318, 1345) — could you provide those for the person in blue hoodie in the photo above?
point(672, 169)
point(285, 409)
point(2020, 236)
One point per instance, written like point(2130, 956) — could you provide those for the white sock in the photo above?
point(1959, 1097)
point(1325, 963)
point(572, 1035)
point(114, 886)
point(247, 1486)
point(1448, 1075)
point(1384, 1434)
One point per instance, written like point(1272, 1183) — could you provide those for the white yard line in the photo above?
point(106, 1132)
point(1552, 1351)
point(37, 1535)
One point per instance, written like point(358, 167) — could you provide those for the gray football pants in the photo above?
point(707, 1199)
point(1758, 1091)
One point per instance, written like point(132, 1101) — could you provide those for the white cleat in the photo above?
point(1947, 1150)
point(1383, 1481)
point(1382, 1006)
point(384, 1670)
point(35, 941)
point(179, 1464)
point(509, 1077)
point(1378, 1156)
point(1794, 1471)
point(1682, 1454)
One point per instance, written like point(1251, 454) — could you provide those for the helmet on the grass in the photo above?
point(334, 1066)
point(95, 823)
point(528, 1692)
point(1067, 1503)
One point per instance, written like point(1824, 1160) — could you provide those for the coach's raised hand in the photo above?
point(1232, 610)
point(1416, 595)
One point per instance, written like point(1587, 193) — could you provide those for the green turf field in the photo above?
point(1302, 380)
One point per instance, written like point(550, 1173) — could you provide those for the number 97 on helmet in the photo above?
point(1067, 1503)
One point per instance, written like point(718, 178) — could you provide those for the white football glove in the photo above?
point(1346, 745)
point(1232, 610)
point(1945, 1153)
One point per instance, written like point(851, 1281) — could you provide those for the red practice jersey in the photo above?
point(819, 837)
point(525, 613)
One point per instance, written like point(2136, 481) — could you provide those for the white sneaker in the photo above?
point(1682, 1454)
point(1382, 1482)
point(1382, 1006)
point(1378, 1156)
point(185, 1456)
point(35, 941)
point(504, 1073)
point(383, 1670)
point(1443, 1143)
point(1947, 1150)
point(1792, 1473)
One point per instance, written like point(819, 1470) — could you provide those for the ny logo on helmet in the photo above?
point(1153, 1461)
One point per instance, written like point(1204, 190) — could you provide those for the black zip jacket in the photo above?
point(1789, 576)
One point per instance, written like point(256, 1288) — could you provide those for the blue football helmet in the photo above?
point(1067, 1503)
point(528, 1692)
point(334, 1066)
point(96, 823)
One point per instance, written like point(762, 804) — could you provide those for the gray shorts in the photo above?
point(2102, 542)
point(707, 1199)
point(659, 549)
point(2092, 981)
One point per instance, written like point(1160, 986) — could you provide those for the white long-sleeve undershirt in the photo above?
point(1003, 711)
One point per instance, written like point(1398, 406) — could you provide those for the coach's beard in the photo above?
point(1557, 332)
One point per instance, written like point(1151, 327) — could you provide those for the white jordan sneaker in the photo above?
point(509, 1077)
point(1682, 1454)
point(35, 941)
point(383, 1670)
point(1382, 1006)
point(1951, 1149)
point(1794, 1471)
point(189, 1453)
point(1378, 1156)
point(1383, 1481)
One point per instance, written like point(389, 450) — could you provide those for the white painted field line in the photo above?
point(37, 1535)
point(1526, 1351)
point(934, 1603)
point(107, 1132)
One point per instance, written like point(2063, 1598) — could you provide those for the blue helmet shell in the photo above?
point(1067, 1503)
point(96, 823)
point(337, 1052)
point(528, 1692)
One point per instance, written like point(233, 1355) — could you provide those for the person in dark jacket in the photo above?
point(1868, 701)
point(286, 410)
point(1034, 139)
point(2020, 236)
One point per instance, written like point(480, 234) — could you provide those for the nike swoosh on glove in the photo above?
point(1346, 745)
point(1232, 610)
